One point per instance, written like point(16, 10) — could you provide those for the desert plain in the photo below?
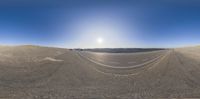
point(35, 72)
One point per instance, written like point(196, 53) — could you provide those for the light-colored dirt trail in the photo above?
point(175, 75)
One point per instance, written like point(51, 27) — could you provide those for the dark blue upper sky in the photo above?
point(120, 23)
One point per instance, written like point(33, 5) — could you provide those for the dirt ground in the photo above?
point(30, 72)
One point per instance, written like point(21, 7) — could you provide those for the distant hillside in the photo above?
point(121, 50)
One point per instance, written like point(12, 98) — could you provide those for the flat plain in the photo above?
point(33, 72)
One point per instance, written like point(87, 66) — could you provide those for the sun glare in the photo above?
point(99, 40)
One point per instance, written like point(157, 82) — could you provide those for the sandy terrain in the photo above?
point(32, 72)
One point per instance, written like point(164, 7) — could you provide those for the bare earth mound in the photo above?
point(33, 72)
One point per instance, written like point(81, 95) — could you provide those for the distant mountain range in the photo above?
point(120, 50)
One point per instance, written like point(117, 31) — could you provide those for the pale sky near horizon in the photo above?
point(101, 23)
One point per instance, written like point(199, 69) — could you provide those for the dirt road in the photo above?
point(174, 75)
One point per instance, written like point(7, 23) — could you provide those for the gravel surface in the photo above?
point(32, 72)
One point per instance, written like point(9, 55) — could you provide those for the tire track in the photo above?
point(29, 81)
point(191, 80)
point(120, 67)
point(129, 69)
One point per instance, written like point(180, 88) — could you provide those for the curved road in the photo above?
point(175, 75)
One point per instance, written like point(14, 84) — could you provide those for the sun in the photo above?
point(100, 40)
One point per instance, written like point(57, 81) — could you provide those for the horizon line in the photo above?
point(18, 45)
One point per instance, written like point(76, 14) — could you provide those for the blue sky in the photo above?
point(120, 23)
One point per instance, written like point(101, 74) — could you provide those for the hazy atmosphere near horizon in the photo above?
point(100, 23)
